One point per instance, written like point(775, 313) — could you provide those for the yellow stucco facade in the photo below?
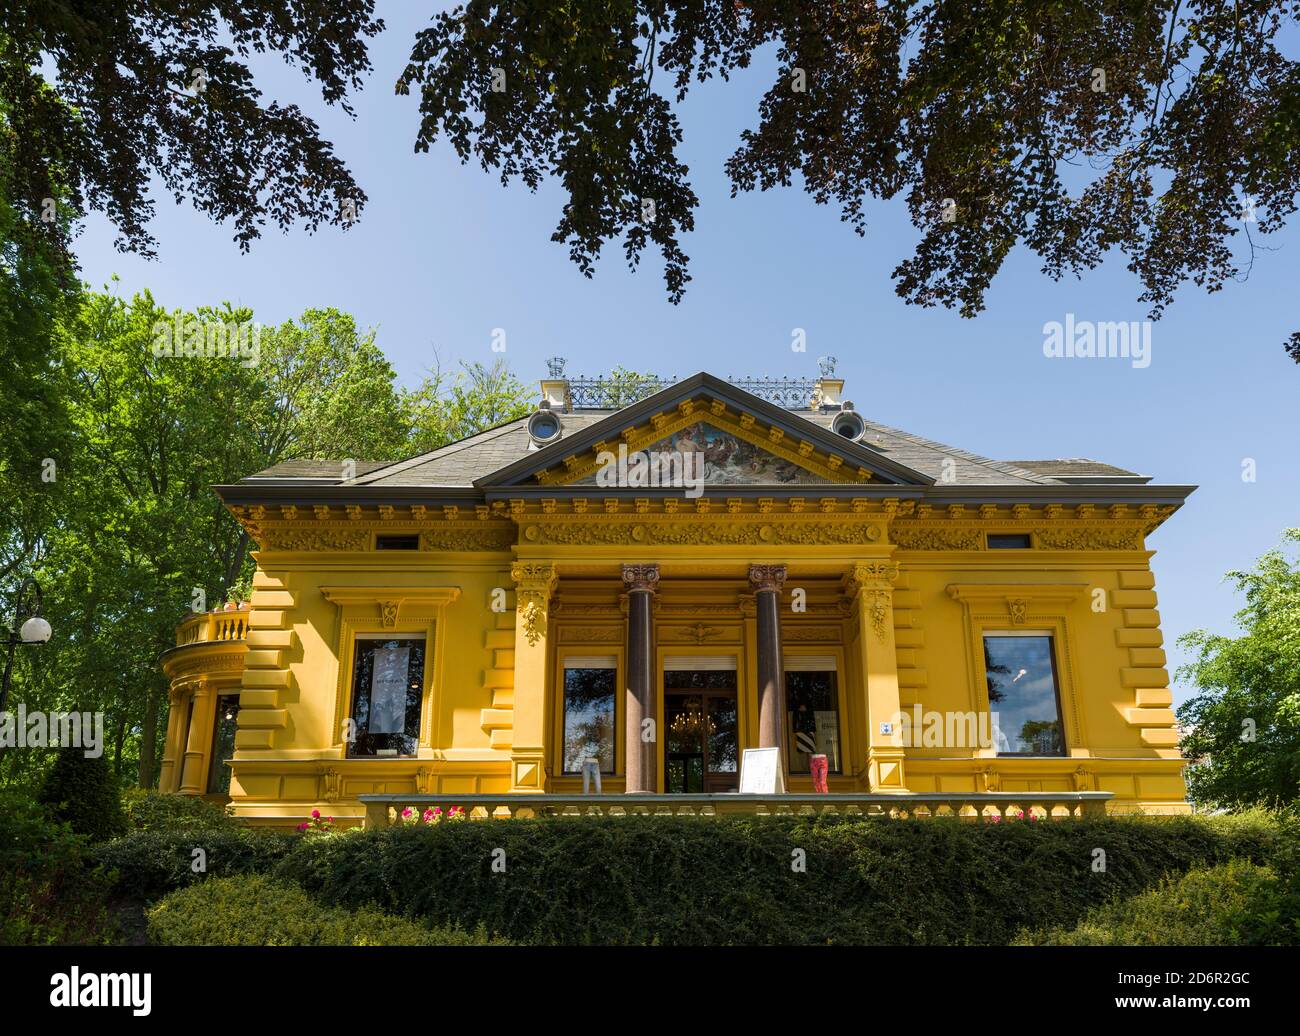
point(504, 583)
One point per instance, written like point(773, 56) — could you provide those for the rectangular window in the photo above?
point(812, 712)
point(397, 542)
point(223, 743)
point(590, 684)
point(1023, 698)
point(1009, 541)
point(387, 691)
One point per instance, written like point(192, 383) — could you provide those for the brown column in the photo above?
point(766, 582)
point(642, 746)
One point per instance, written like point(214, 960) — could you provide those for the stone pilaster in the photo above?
point(766, 582)
point(534, 584)
point(642, 742)
point(870, 587)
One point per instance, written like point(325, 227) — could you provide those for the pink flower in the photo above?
point(315, 814)
point(303, 826)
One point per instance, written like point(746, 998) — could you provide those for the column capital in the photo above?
point(535, 576)
point(641, 577)
point(870, 575)
point(765, 578)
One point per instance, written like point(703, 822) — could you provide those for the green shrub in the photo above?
point(149, 864)
point(82, 791)
point(154, 811)
point(1234, 904)
point(48, 892)
point(698, 881)
point(258, 911)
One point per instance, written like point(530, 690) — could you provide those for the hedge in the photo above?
point(697, 881)
point(254, 910)
point(156, 811)
point(1235, 904)
point(149, 864)
point(49, 895)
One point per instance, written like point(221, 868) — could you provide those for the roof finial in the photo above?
point(556, 366)
point(826, 365)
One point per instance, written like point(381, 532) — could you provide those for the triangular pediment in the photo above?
point(719, 456)
point(740, 439)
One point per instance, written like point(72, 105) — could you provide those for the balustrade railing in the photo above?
point(213, 625)
point(383, 810)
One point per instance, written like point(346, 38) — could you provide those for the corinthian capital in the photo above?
point(766, 577)
point(871, 575)
point(641, 577)
point(536, 577)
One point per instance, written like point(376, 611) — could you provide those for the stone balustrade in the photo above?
point(383, 810)
point(217, 625)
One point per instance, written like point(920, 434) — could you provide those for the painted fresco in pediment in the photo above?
point(725, 458)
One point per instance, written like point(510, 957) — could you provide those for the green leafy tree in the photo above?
point(1243, 729)
point(109, 97)
point(1161, 129)
point(81, 791)
point(448, 407)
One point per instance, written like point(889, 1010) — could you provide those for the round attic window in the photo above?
point(543, 427)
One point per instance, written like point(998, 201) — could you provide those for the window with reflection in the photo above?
point(387, 693)
point(812, 718)
point(702, 742)
point(223, 743)
point(589, 694)
point(1023, 695)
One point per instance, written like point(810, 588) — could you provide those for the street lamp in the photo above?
point(33, 630)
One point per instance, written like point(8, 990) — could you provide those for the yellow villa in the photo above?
point(645, 591)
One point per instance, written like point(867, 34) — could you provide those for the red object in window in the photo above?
point(819, 768)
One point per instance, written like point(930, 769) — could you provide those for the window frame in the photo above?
point(391, 611)
point(414, 638)
point(562, 667)
point(1036, 609)
point(843, 705)
point(1064, 753)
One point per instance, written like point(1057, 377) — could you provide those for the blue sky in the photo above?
point(443, 255)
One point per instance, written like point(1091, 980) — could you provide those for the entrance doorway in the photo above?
point(701, 746)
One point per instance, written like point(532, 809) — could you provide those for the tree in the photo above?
point(1162, 129)
point(80, 790)
point(148, 89)
point(1243, 729)
point(446, 408)
point(160, 406)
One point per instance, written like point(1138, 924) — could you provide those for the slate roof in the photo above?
point(460, 464)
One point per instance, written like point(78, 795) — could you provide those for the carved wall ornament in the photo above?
point(388, 613)
point(912, 537)
point(878, 610)
point(1019, 608)
point(1087, 538)
point(316, 539)
point(332, 785)
point(468, 536)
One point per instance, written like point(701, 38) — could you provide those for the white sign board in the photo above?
point(761, 773)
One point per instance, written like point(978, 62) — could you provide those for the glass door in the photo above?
point(702, 748)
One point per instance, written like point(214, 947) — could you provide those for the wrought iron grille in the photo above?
point(612, 393)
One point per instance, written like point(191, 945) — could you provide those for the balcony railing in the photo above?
point(383, 810)
point(214, 625)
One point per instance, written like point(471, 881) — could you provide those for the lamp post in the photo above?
point(30, 631)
